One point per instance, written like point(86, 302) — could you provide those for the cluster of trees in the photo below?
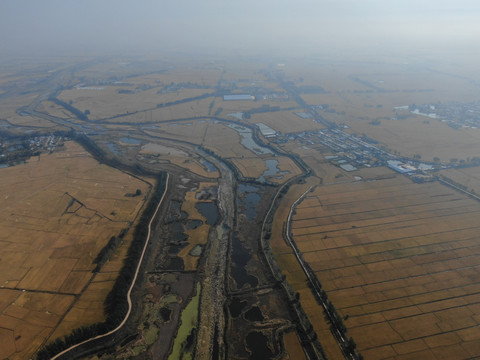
point(194, 98)
point(349, 346)
point(137, 192)
point(108, 249)
point(262, 109)
point(116, 305)
point(304, 327)
point(76, 336)
point(456, 184)
point(305, 330)
point(79, 114)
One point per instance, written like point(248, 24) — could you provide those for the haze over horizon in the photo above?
point(91, 27)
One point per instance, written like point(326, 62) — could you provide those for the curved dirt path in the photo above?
point(129, 299)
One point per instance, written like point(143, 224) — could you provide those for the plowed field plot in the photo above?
point(400, 262)
point(57, 212)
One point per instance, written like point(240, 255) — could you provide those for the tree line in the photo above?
point(116, 305)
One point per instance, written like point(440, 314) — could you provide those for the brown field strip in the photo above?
point(189, 109)
point(105, 101)
point(58, 211)
point(400, 261)
point(293, 347)
point(295, 275)
point(197, 236)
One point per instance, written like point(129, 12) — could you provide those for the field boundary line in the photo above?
point(342, 340)
point(129, 299)
point(459, 189)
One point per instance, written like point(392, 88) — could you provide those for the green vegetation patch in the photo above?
point(151, 335)
point(183, 346)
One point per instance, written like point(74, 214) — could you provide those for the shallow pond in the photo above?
point(236, 307)
point(210, 167)
point(240, 257)
point(193, 224)
point(131, 141)
point(113, 148)
point(254, 314)
point(175, 263)
point(175, 249)
point(247, 140)
point(258, 345)
point(209, 210)
point(165, 313)
point(249, 200)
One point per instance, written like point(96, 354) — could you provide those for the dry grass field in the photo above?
point(201, 74)
point(229, 106)
point(468, 177)
point(285, 164)
point(58, 211)
point(400, 262)
point(51, 108)
point(251, 167)
point(242, 71)
point(198, 236)
point(189, 109)
point(9, 106)
point(224, 141)
point(414, 136)
point(192, 131)
point(103, 71)
point(255, 168)
point(314, 158)
point(285, 122)
point(105, 101)
point(152, 72)
point(293, 347)
point(397, 75)
point(174, 154)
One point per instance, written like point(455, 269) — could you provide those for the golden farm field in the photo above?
point(58, 211)
point(9, 107)
point(468, 177)
point(285, 122)
point(295, 276)
point(106, 101)
point(400, 262)
point(232, 106)
point(196, 108)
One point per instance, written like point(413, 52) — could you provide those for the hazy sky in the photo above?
point(104, 26)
